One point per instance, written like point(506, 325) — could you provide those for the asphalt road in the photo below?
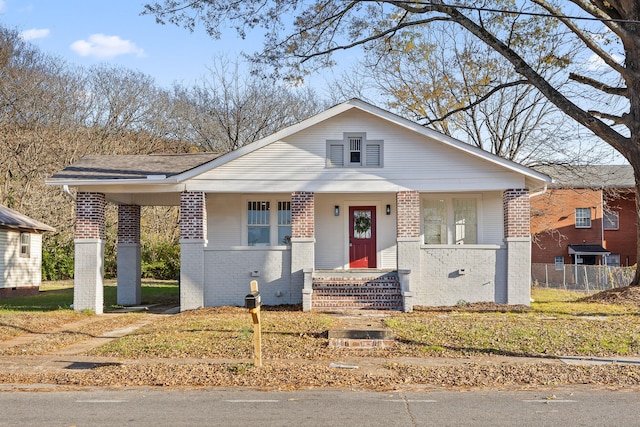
point(211, 407)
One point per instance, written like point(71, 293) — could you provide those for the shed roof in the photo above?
point(13, 219)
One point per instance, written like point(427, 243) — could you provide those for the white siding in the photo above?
point(411, 161)
point(17, 271)
point(332, 241)
point(493, 218)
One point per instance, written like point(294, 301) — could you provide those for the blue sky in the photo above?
point(88, 32)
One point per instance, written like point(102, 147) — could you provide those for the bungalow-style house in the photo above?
point(353, 207)
point(20, 253)
point(587, 216)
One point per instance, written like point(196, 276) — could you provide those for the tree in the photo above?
point(229, 109)
point(603, 93)
point(456, 85)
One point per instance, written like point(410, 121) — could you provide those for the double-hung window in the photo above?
point(583, 217)
point(354, 151)
point(258, 220)
point(611, 220)
point(284, 223)
point(450, 221)
point(25, 245)
point(267, 228)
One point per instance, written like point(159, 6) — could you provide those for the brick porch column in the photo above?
point(517, 238)
point(88, 278)
point(193, 240)
point(129, 257)
point(408, 241)
point(302, 244)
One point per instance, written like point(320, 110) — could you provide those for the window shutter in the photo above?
point(373, 155)
point(336, 155)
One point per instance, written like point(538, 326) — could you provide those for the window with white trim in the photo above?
point(612, 260)
point(559, 262)
point(583, 217)
point(450, 221)
point(611, 220)
point(354, 150)
point(25, 245)
point(258, 220)
point(267, 226)
point(284, 223)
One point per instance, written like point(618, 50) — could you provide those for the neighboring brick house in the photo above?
point(20, 253)
point(588, 214)
point(353, 207)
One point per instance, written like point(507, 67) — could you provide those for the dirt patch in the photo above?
point(628, 295)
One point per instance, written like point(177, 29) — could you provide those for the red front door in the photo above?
point(362, 237)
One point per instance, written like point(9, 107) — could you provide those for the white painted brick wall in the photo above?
point(229, 272)
point(88, 293)
point(192, 267)
point(440, 283)
point(519, 270)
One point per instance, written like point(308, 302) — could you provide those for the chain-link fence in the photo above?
point(582, 278)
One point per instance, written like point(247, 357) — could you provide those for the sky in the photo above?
point(90, 32)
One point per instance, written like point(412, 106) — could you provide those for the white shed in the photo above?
point(21, 253)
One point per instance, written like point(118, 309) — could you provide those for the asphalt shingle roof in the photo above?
point(133, 166)
point(12, 219)
point(591, 176)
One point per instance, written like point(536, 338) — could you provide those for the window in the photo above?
point(612, 260)
point(258, 215)
point(354, 150)
point(434, 218)
point(450, 221)
point(583, 217)
point(284, 223)
point(611, 220)
point(25, 245)
point(559, 261)
point(465, 220)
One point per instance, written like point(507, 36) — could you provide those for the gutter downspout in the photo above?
point(544, 190)
point(65, 189)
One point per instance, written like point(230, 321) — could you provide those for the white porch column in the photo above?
point(302, 244)
point(193, 240)
point(89, 242)
point(517, 237)
point(408, 240)
point(129, 257)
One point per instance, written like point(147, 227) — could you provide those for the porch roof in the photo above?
point(587, 250)
point(132, 167)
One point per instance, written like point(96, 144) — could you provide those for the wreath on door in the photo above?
point(362, 224)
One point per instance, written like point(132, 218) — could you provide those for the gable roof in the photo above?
point(13, 219)
point(590, 176)
point(128, 169)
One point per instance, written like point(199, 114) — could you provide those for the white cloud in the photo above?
point(35, 33)
point(2, 6)
point(103, 46)
point(595, 63)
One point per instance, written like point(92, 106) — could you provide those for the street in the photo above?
point(214, 407)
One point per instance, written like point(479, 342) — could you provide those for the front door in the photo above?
point(362, 237)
